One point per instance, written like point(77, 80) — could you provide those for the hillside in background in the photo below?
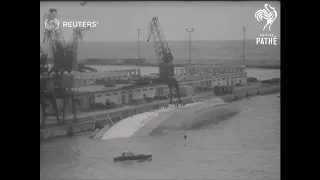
point(201, 50)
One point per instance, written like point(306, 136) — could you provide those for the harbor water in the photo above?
point(245, 146)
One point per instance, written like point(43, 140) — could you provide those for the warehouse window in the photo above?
point(144, 89)
point(115, 93)
point(150, 88)
point(107, 94)
point(99, 95)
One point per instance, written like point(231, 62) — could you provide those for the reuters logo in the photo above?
point(52, 24)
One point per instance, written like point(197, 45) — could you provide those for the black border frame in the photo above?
point(21, 124)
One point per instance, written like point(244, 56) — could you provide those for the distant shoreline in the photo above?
point(203, 52)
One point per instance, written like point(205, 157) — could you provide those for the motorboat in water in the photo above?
point(132, 157)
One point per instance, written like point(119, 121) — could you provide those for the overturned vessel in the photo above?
point(190, 116)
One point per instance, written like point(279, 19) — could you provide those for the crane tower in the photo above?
point(164, 56)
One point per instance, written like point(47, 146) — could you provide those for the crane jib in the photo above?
point(164, 57)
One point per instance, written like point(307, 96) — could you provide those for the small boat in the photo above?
point(131, 157)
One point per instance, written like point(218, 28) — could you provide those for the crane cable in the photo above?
point(185, 128)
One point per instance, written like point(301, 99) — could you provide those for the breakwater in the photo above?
point(101, 120)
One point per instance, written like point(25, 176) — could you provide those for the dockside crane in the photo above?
point(164, 57)
point(74, 45)
point(72, 54)
point(54, 38)
point(64, 57)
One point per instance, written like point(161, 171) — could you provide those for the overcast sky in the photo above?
point(119, 21)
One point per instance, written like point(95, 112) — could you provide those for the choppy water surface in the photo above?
point(246, 146)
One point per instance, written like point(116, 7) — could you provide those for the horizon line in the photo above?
point(167, 41)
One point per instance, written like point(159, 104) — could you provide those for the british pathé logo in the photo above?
point(268, 15)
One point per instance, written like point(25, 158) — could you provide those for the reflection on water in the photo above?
point(245, 146)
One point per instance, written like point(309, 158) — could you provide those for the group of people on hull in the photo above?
point(176, 105)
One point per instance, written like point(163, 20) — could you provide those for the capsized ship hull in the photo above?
point(197, 115)
point(191, 116)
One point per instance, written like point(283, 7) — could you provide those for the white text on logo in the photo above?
point(83, 24)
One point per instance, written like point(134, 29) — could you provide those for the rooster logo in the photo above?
point(269, 15)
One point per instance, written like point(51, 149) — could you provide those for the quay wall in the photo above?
point(255, 92)
point(101, 121)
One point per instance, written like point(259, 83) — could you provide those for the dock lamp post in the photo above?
point(190, 31)
point(138, 51)
point(244, 38)
point(189, 69)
